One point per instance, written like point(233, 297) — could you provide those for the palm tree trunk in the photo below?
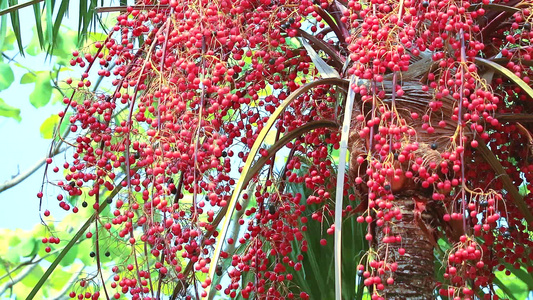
point(414, 278)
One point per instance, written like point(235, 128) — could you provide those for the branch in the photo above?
point(17, 279)
point(509, 117)
point(30, 262)
point(340, 31)
point(70, 283)
point(19, 178)
point(18, 6)
point(53, 152)
point(26, 263)
point(338, 60)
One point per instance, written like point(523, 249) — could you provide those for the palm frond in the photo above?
point(248, 167)
point(340, 189)
point(47, 35)
point(506, 72)
point(319, 259)
point(516, 197)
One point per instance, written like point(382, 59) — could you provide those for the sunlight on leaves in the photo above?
point(48, 127)
point(43, 90)
point(6, 76)
point(9, 111)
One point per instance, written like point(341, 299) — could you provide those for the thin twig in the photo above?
point(231, 247)
point(148, 268)
point(19, 178)
point(26, 263)
point(17, 279)
point(125, 8)
point(29, 262)
point(61, 294)
point(73, 241)
point(97, 246)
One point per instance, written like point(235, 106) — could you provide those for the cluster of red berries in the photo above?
point(164, 147)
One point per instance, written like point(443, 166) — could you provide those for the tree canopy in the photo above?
point(288, 149)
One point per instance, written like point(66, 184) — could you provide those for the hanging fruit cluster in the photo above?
point(441, 118)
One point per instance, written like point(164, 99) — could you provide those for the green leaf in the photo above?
point(14, 240)
point(3, 25)
point(15, 23)
point(43, 90)
point(28, 247)
point(49, 26)
point(33, 277)
point(38, 23)
point(510, 288)
point(60, 279)
point(521, 275)
point(49, 126)
point(65, 125)
point(64, 44)
point(34, 46)
point(523, 190)
point(21, 289)
point(59, 19)
point(9, 111)
point(28, 77)
point(85, 247)
point(12, 257)
point(96, 36)
point(6, 76)
point(87, 17)
point(311, 259)
point(83, 19)
point(8, 42)
point(317, 261)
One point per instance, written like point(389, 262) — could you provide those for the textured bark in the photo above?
point(414, 279)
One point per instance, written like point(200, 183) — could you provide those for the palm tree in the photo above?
point(437, 122)
point(421, 215)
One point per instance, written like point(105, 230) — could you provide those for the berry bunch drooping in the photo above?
point(439, 142)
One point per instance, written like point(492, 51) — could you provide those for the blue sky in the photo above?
point(22, 148)
point(22, 143)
